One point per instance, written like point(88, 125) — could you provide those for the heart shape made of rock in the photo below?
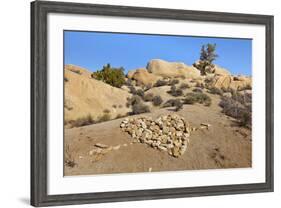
point(168, 133)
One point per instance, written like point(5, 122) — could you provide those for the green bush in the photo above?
point(157, 100)
point(113, 76)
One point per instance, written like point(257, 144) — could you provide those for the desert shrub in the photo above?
point(107, 111)
point(178, 105)
point(132, 89)
point(235, 109)
point(133, 100)
point(67, 106)
point(160, 83)
point(119, 116)
point(175, 92)
point(157, 100)
point(171, 103)
point(68, 158)
point(104, 117)
point(114, 106)
point(139, 108)
point(246, 87)
point(201, 98)
point(246, 119)
point(148, 97)
point(113, 76)
point(184, 86)
point(128, 82)
point(174, 103)
point(83, 121)
point(77, 71)
point(197, 90)
point(190, 100)
point(139, 92)
point(173, 82)
point(147, 87)
point(215, 90)
point(137, 105)
point(200, 85)
point(244, 99)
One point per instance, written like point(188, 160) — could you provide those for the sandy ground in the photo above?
point(223, 145)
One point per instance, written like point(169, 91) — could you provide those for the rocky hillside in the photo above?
point(87, 96)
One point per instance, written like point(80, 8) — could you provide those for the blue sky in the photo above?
point(92, 50)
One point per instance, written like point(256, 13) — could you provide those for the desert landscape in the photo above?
point(166, 116)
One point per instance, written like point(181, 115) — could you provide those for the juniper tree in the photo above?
point(207, 56)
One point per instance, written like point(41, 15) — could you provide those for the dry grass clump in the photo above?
point(184, 86)
point(197, 90)
point(77, 71)
point(82, 121)
point(104, 117)
point(173, 82)
point(88, 120)
point(215, 90)
point(197, 97)
point(68, 158)
point(160, 83)
point(175, 92)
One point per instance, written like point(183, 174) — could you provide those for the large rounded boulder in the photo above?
point(172, 69)
point(143, 77)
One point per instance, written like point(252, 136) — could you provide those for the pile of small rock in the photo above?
point(167, 133)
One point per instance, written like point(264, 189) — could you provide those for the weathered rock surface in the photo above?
point(143, 77)
point(87, 96)
point(172, 69)
point(231, 82)
point(168, 133)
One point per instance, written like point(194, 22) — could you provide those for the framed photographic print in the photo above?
point(131, 103)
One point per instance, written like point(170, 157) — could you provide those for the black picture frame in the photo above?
point(39, 12)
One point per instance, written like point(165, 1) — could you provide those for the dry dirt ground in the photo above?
point(223, 145)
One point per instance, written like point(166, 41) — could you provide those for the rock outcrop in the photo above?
point(143, 77)
point(172, 69)
point(87, 96)
point(168, 133)
point(231, 82)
